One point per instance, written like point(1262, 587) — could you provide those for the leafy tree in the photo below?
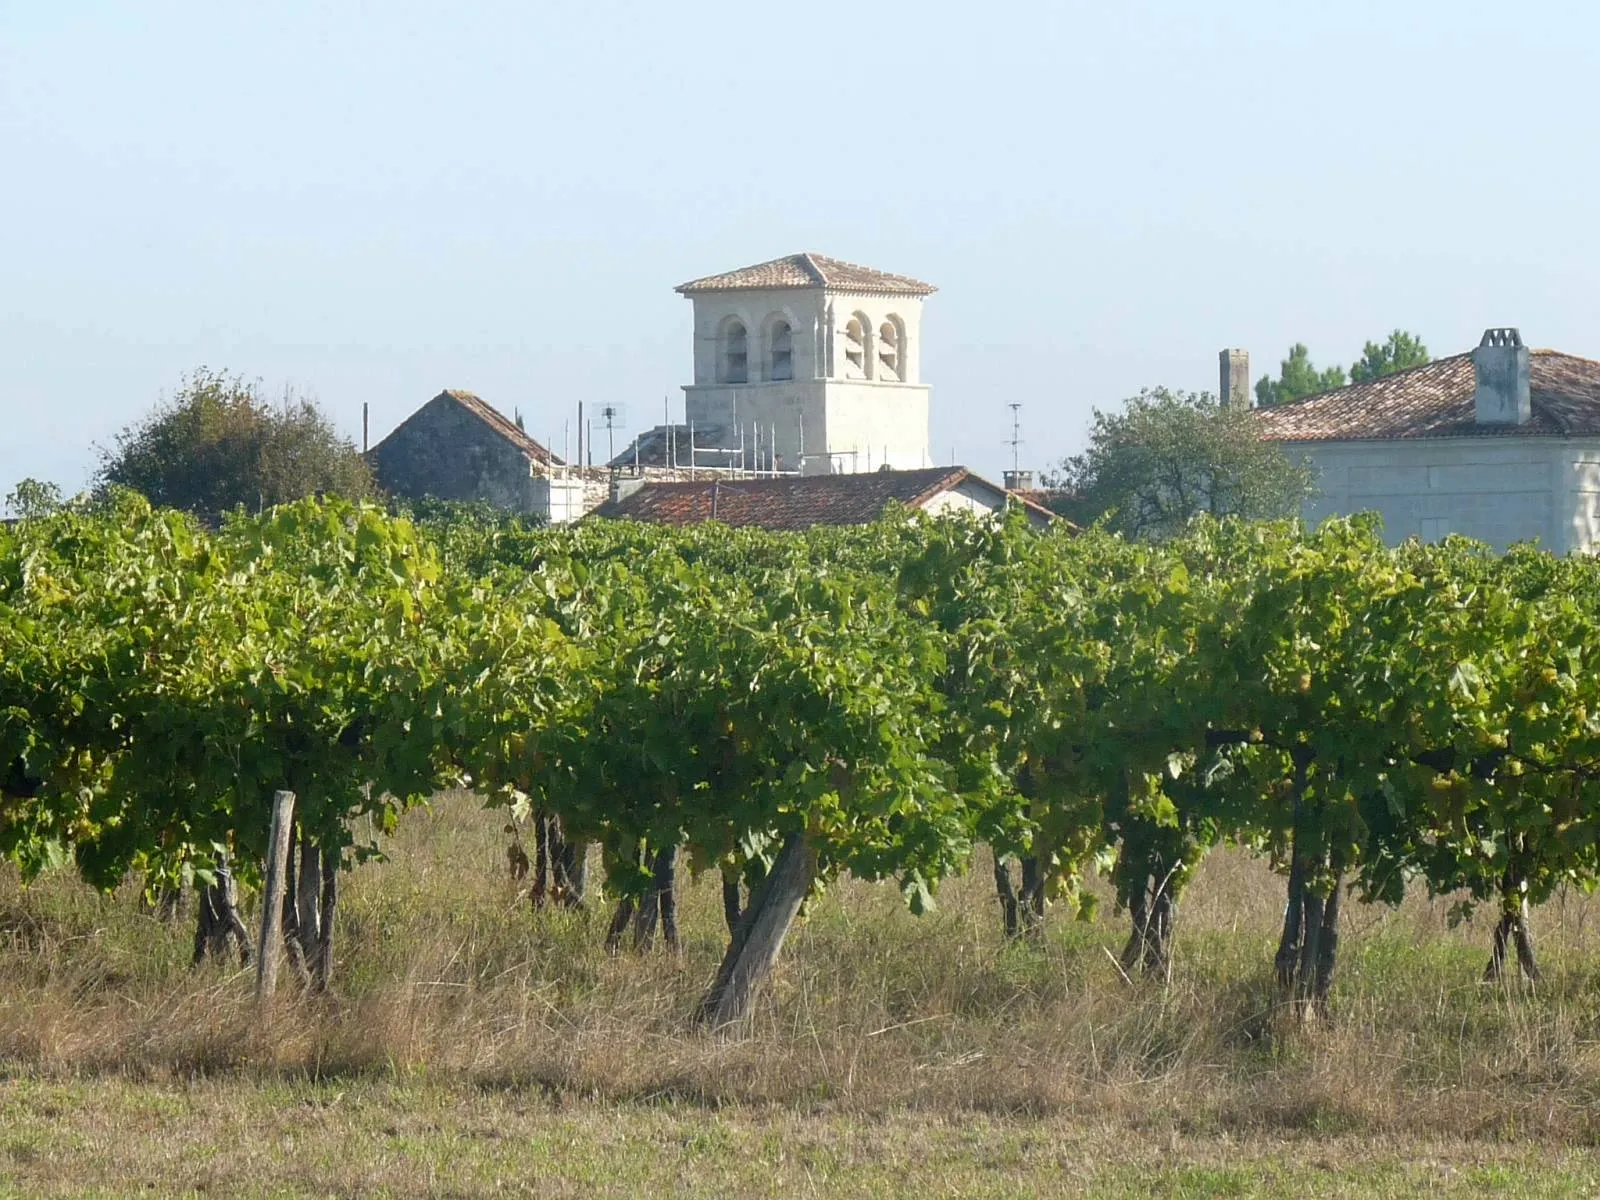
point(218, 444)
point(1296, 378)
point(1169, 456)
point(1400, 352)
point(34, 498)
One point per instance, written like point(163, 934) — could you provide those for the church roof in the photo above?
point(1436, 400)
point(809, 271)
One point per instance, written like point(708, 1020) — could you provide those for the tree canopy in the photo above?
point(218, 443)
point(1168, 457)
point(1400, 352)
point(1298, 377)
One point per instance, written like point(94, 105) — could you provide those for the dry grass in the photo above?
point(446, 980)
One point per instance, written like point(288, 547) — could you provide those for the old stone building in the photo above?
point(457, 447)
point(1501, 444)
point(809, 364)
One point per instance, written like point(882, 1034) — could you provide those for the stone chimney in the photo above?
point(1500, 367)
point(1234, 389)
point(623, 486)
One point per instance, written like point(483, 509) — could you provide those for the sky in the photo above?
point(370, 200)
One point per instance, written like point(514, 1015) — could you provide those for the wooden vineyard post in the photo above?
point(272, 901)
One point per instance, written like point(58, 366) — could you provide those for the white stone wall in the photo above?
point(868, 423)
point(1499, 490)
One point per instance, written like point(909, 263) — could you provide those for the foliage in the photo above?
point(34, 498)
point(1400, 352)
point(1297, 378)
point(890, 695)
point(1168, 457)
point(219, 444)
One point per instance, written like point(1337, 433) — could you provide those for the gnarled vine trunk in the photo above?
point(560, 868)
point(1022, 900)
point(1309, 945)
point(755, 946)
point(218, 921)
point(311, 895)
point(1153, 908)
point(1513, 929)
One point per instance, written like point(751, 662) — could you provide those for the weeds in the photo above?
point(445, 974)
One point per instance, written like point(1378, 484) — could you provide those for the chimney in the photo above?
point(1234, 388)
point(621, 487)
point(1500, 369)
point(1019, 481)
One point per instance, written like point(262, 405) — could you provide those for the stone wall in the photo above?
point(445, 452)
point(1499, 490)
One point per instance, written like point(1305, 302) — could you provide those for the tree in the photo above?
point(1297, 378)
point(1402, 351)
point(1170, 456)
point(34, 498)
point(218, 444)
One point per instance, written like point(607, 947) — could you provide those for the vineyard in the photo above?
point(785, 711)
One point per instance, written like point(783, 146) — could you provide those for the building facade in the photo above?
point(808, 364)
point(1501, 444)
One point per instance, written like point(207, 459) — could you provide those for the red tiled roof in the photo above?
point(1435, 400)
point(788, 502)
point(1041, 498)
point(497, 421)
point(810, 271)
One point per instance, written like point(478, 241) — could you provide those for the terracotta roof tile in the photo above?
point(1435, 400)
point(810, 271)
point(502, 425)
point(786, 502)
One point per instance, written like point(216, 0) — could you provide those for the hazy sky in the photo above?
point(372, 201)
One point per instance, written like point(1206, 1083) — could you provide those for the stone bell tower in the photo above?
point(808, 364)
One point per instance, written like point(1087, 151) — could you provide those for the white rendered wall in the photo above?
point(559, 500)
point(966, 497)
point(1499, 490)
point(870, 423)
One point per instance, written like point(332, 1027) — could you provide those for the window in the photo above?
point(855, 347)
point(780, 356)
point(733, 365)
point(891, 350)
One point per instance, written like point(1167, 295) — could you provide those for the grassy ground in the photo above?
point(472, 1047)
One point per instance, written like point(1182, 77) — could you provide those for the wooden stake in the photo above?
point(272, 901)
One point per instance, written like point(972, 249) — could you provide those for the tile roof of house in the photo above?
point(810, 271)
point(1436, 400)
point(500, 423)
point(790, 502)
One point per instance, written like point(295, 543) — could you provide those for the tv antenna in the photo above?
point(1016, 436)
point(613, 415)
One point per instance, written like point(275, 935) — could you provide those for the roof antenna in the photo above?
point(1016, 436)
point(614, 415)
